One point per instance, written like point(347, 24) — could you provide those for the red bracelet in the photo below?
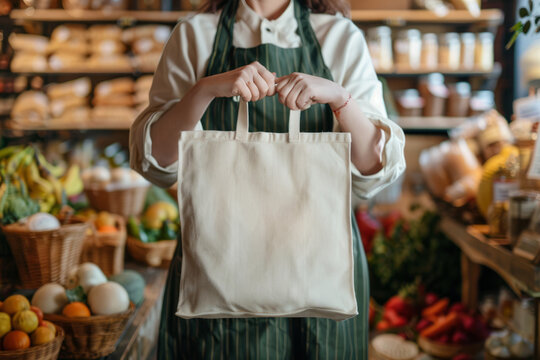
point(336, 112)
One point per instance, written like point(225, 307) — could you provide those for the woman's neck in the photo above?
point(269, 9)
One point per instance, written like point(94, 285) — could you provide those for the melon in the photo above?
point(134, 284)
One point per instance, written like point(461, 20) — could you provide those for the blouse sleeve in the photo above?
point(176, 73)
point(348, 58)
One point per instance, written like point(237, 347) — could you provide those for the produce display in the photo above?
point(22, 325)
point(509, 345)
point(31, 184)
point(160, 221)
point(100, 177)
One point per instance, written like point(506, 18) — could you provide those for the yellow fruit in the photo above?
point(26, 321)
point(5, 324)
point(49, 325)
point(14, 304)
point(104, 219)
point(157, 213)
point(42, 335)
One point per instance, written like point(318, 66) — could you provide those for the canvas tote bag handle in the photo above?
point(242, 124)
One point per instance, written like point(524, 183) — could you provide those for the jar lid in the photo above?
point(433, 78)
point(462, 88)
point(379, 31)
point(409, 33)
point(450, 37)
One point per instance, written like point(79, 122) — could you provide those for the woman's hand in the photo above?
point(251, 82)
point(299, 91)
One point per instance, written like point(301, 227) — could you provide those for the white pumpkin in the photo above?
point(50, 298)
point(42, 221)
point(109, 298)
point(86, 275)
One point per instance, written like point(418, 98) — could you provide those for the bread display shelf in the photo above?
point(427, 123)
point(102, 125)
point(406, 72)
point(84, 72)
point(489, 17)
point(61, 15)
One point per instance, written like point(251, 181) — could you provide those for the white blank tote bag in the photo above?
point(266, 225)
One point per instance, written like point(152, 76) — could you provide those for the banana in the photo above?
point(72, 182)
point(46, 203)
point(56, 171)
point(39, 187)
point(10, 150)
point(15, 160)
point(58, 191)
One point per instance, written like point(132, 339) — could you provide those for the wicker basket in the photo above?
point(91, 337)
point(125, 202)
point(158, 254)
point(47, 351)
point(106, 250)
point(448, 351)
point(46, 256)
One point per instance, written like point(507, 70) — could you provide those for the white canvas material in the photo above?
point(266, 225)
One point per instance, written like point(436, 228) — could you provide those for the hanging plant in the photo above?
point(524, 25)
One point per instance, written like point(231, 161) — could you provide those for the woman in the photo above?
point(309, 57)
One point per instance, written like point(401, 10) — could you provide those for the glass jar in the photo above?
point(409, 103)
point(430, 51)
point(481, 102)
point(484, 58)
point(468, 45)
point(379, 41)
point(435, 94)
point(408, 46)
point(449, 51)
point(505, 181)
point(458, 99)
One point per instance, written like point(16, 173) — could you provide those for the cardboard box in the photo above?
point(381, 4)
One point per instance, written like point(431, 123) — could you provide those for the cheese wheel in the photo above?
point(79, 87)
point(35, 44)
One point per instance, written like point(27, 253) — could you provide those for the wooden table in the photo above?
point(521, 275)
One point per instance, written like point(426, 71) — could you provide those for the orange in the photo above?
point(14, 304)
point(42, 335)
point(107, 229)
point(48, 324)
point(76, 309)
point(25, 320)
point(16, 340)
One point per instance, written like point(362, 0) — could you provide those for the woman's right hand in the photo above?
point(251, 82)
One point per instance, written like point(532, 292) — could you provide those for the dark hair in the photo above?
point(317, 6)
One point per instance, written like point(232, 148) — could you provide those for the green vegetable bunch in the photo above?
point(524, 25)
point(15, 203)
point(168, 231)
point(415, 252)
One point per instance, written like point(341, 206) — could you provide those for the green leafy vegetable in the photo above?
point(76, 294)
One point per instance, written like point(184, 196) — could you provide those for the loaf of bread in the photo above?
point(74, 45)
point(30, 106)
point(23, 61)
point(107, 47)
point(147, 62)
point(28, 43)
point(114, 100)
point(102, 32)
point(67, 32)
point(109, 63)
point(157, 33)
point(113, 114)
point(123, 85)
point(79, 87)
point(146, 45)
point(144, 83)
point(62, 61)
point(59, 106)
point(74, 115)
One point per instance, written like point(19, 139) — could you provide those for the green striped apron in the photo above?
point(265, 338)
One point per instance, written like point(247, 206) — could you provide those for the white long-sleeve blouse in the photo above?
point(344, 50)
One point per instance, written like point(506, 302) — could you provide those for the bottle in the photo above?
point(505, 180)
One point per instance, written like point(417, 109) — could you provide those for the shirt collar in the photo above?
point(254, 20)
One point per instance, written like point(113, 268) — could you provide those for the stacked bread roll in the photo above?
point(107, 49)
point(30, 52)
point(146, 43)
point(114, 102)
point(68, 48)
point(31, 108)
point(69, 101)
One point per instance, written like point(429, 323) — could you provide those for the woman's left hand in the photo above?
point(299, 91)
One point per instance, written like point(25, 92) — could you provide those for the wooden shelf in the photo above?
point(61, 15)
point(430, 124)
point(405, 72)
point(489, 17)
point(82, 73)
point(51, 126)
